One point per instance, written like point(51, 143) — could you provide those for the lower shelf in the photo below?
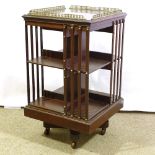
point(57, 106)
point(96, 107)
point(49, 104)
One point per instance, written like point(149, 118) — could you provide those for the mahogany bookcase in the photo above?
point(73, 106)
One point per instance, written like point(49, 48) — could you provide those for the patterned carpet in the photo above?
point(128, 134)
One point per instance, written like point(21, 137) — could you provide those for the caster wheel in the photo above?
point(103, 131)
point(47, 131)
point(73, 145)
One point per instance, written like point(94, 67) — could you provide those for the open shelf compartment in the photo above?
point(53, 101)
point(54, 59)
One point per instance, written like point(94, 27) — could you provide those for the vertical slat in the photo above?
point(42, 68)
point(79, 70)
point(37, 66)
point(32, 56)
point(122, 44)
point(87, 74)
point(112, 62)
point(64, 66)
point(118, 68)
point(115, 63)
point(27, 64)
point(72, 69)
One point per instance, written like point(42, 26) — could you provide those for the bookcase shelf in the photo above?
point(98, 60)
point(54, 101)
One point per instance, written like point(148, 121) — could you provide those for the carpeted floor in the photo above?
point(128, 134)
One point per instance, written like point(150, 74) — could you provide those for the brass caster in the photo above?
point(73, 145)
point(74, 135)
point(47, 131)
point(103, 131)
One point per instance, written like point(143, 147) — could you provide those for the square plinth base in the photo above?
point(75, 124)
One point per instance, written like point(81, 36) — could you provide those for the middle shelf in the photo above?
point(54, 59)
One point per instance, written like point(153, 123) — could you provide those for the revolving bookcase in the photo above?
point(73, 106)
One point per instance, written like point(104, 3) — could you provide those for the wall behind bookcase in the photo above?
point(138, 69)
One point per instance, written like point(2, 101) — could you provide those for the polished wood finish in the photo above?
point(73, 106)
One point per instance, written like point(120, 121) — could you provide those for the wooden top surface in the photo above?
point(75, 14)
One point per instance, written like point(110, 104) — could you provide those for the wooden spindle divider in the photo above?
point(32, 57)
point(115, 63)
point(87, 75)
point(119, 61)
point(112, 62)
point(27, 64)
point(42, 67)
point(37, 66)
point(65, 68)
point(72, 68)
point(79, 70)
point(122, 46)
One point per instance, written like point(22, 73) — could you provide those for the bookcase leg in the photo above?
point(47, 131)
point(47, 128)
point(74, 135)
point(104, 127)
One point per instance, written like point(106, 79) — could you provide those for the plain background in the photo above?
point(138, 70)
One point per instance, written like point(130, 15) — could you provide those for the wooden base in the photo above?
point(75, 125)
point(72, 123)
point(74, 135)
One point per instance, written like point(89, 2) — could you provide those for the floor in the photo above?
point(127, 134)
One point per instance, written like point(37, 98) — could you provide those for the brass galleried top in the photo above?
point(75, 12)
